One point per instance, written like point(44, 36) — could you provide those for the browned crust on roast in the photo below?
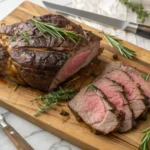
point(40, 58)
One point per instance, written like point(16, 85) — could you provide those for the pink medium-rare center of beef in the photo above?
point(72, 65)
point(112, 91)
point(129, 86)
point(94, 107)
point(136, 76)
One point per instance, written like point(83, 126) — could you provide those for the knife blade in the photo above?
point(14, 136)
point(138, 29)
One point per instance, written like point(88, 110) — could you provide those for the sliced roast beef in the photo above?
point(95, 110)
point(44, 63)
point(114, 94)
point(132, 92)
point(135, 75)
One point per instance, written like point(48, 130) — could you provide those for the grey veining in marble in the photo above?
point(35, 136)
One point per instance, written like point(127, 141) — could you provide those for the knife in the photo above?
point(138, 29)
point(14, 136)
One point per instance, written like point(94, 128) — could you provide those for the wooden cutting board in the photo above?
point(19, 102)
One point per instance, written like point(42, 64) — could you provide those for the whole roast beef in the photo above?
point(44, 63)
point(95, 110)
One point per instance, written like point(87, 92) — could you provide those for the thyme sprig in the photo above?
point(53, 99)
point(54, 31)
point(138, 9)
point(25, 36)
point(115, 42)
point(145, 76)
point(145, 140)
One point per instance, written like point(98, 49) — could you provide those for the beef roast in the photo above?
point(95, 110)
point(44, 63)
point(114, 94)
point(132, 92)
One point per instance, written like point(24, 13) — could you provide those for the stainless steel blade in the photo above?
point(2, 121)
point(89, 16)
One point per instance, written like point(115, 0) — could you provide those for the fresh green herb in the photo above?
point(54, 31)
point(26, 37)
point(16, 87)
point(114, 42)
point(13, 38)
point(138, 9)
point(145, 76)
point(145, 140)
point(53, 99)
point(91, 88)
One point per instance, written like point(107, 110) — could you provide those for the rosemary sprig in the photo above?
point(91, 88)
point(145, 140)
point(138, 9)
point(145, 76)
point(54, 31)
point(114, 42)
point(26, 37)
point(16, 87)
point(13, 38)
point(52, 99)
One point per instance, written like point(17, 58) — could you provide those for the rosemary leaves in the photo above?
point(138, 9)
point(145, 140)
point(13, 38)
point(54, 31)
point(115, 42)
point(52, 99)
point(23, 35)
point(91, 88)
point(16, 87)
point(145, 76)
point(26, 37)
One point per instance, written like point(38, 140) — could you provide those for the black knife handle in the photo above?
point(143, 31)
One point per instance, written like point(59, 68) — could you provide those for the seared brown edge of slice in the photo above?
point(123, 94)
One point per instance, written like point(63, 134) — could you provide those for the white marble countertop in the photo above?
point(37, 137)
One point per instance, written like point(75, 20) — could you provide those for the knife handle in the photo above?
point(143, 31)
point(16, 138)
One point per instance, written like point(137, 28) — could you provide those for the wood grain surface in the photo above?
point(16, 138)
point(21, 101)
